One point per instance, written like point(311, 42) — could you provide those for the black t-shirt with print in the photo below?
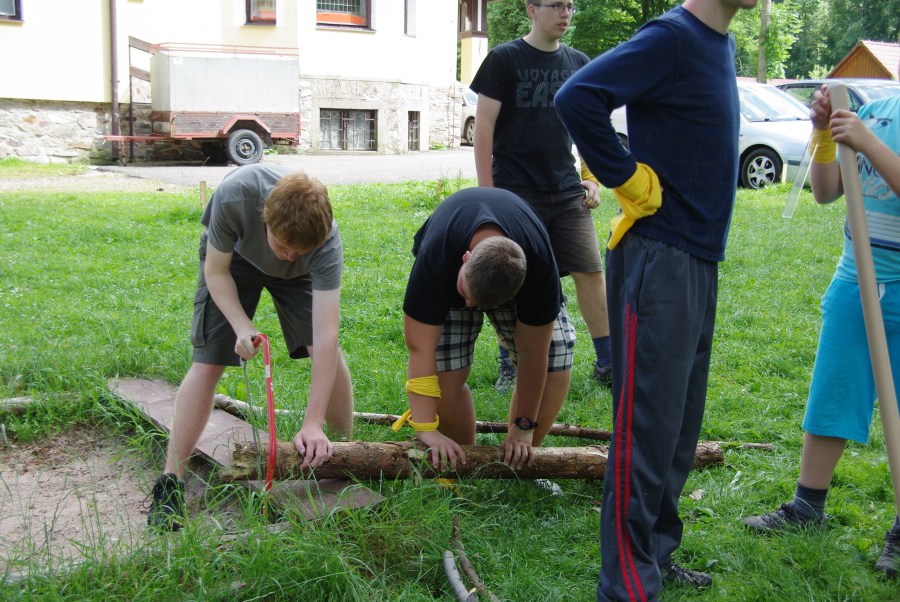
point(532, 148)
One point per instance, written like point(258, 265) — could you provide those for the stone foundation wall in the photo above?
point(68, 132)
point(53, 132)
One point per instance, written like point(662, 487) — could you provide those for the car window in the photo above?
point(802, 93)
point(767, 103)
point(470, 96)
point(877, 91)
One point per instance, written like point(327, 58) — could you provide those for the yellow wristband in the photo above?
point(424, 385)
point(826, 149)
point(419, 427)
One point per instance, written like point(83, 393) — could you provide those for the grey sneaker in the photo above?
point(167, 506)
point(603, 374)
point(507, 379)
point(786, 517)
point(678, 575)
point(889, 561)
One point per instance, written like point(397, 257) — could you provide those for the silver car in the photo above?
point(860, 89)
point(774, 131)
point(469, 102)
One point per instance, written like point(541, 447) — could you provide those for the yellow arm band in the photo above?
point(419, 427)
point(639, 196)
point(424, 385)
point(587, 175)
point(826, 149)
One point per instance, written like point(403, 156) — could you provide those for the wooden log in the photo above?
point(405, 459)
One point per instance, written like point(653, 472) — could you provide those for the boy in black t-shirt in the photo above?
point(484, 251)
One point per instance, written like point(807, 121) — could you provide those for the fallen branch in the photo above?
point(405, 459)
point(467, 568)
point(16, 405)
point(456, 584)
point(562, 429)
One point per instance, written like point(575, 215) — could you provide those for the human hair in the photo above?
point(298, 211)
point(495, 271)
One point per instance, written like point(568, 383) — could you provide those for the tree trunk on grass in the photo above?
point(405, 459)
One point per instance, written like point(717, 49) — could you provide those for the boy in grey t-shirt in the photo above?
point(266, 227)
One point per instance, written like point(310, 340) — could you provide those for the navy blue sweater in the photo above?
point(677, 77)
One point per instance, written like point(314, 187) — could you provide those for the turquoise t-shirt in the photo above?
point(882, 205)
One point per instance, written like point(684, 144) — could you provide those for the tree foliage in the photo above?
point(805, 37)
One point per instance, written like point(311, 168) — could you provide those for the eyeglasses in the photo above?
point(560, 8)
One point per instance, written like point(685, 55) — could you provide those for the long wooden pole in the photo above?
point(871, 305)
point(407, 459)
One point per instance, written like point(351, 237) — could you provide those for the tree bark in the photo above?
point(405, 459)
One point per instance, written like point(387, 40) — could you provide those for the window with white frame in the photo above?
point(10, 10)
point(347, 129)
point(346, 13)
point(260, 12)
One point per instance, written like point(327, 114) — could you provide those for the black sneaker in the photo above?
point(167, 507)
point(889, 561)
point(507, 379)
point(678, 575)
point(603, 374)
point(786, 517)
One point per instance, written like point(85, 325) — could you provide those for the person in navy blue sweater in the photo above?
point(676, 187)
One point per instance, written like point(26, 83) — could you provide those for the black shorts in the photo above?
point(211, 334)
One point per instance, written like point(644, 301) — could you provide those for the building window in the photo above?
point(347, 13)
point(260, 12)
point(10, 10)
point(414, 129)
point(347, 129)
point(409, 18)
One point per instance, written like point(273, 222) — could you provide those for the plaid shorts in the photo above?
point(457, 345)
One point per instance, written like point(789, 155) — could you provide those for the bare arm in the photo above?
point(825, 178)
point(532, 346)
point(224, 292)
point(847, 128)
point(486, 113)
point(422, 341)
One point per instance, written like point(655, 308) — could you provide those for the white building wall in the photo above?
point(62, 50)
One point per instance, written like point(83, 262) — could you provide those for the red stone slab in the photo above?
point(156, 400)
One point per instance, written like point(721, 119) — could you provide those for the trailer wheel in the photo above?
point(244, 147)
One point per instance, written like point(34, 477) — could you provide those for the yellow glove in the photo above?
point(638, 197)
point(587, 175)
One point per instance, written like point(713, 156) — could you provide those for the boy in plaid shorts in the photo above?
point(484, 251)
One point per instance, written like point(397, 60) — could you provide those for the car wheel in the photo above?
point(244, 147)
point(469, 132)
point(760, 168)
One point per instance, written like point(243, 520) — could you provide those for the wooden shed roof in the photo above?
point(870, 59)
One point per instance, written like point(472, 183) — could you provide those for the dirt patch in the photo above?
point(70, 498)
point(91, 181)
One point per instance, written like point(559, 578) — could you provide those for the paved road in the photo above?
point(330, 169)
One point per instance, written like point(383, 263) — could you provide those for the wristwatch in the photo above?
point(524, 423)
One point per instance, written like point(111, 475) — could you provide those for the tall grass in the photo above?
point(98, 285)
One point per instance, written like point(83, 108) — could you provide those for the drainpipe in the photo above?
point(114, 82)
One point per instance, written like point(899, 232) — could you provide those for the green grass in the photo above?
point(99, 285)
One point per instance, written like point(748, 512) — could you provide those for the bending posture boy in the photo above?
point(842, 391)
point(484, 251)
point(266, 228)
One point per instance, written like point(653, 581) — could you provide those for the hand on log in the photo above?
point(405, 459)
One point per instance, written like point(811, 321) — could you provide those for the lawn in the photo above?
point(99, 285)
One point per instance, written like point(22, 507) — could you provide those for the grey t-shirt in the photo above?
point(234, 224)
